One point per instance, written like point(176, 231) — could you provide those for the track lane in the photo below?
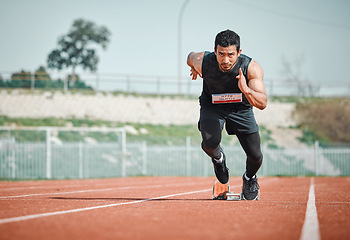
point(13, 205)
point(333, 206)
point(279, 214)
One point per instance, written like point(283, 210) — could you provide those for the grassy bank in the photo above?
point(152, 134)
point(325, 120)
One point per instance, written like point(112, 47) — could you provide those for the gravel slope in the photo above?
point(137, 109)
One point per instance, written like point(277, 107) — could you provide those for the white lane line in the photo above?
point(6, 188)
point(110, 189)
point(37, 187)
point(34, 216)
point(97, 190)
point(311, 227)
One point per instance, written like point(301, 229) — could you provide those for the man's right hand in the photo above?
point(194, 74)
point(194, 60)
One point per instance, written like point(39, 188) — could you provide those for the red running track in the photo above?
point(173, 208)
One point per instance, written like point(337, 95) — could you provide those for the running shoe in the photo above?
point(250, 188)
point(221, 171)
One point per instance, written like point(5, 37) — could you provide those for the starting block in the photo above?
point(234, 196)
point(222, 192)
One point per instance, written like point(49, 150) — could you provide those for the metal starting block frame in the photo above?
point(234, 196)
point(222, 192)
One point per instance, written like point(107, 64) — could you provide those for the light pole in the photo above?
point(179, 39)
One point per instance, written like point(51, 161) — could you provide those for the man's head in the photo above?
point(227, 38)
point(227, 49)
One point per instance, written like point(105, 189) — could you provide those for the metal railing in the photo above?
point(101, 160)
point(169, 85)
point(48, 160)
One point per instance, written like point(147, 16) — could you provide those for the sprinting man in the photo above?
point(232, 86)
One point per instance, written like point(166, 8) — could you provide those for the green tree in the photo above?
point(21, 80)
point(77, 47)
point(74, 81)
point(41, 74)
point(3, 83)
point(42, 78)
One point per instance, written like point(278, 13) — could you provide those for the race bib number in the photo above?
point(226, 98)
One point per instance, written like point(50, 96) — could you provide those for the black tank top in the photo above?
point(216, 81)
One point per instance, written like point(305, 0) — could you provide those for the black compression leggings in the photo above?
point(211, 136)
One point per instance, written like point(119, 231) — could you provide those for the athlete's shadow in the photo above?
point(132, 199)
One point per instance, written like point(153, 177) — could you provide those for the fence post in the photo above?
point(316, 150)
point(144, 158)
point(188, 155)
point(13, 163)
point(128, 83)
point(97, 83)
point(80, 160)
point(65, 84)
point(48, 153)
point(205, 170)
point(271, 89)
point(158, 86)
point(189, 81)
point(123, 146)
point(264, 166)
point(32, 82)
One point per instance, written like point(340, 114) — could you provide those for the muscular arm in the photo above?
point(194, 60)
point(255, 90)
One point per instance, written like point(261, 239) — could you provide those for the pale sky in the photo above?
point(144, 33)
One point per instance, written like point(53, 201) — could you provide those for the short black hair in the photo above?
point(227, 38)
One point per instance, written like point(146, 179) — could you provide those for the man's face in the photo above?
point(227, 57)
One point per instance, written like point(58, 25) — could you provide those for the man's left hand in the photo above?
point(242, 82)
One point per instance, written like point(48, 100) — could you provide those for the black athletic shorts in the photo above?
point(236, 121)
